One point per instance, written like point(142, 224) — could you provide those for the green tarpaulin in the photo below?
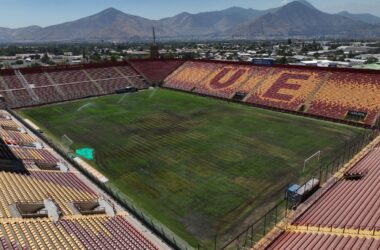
point(87, 153)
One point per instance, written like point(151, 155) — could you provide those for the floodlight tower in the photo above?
point(154, 54)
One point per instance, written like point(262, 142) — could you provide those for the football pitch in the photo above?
point(201, 166)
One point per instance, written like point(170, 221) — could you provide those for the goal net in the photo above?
point(312, 161)
point(66, 142)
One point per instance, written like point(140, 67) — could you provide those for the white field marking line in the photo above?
point(152, 94)
point(84, 106)
point(122, 98)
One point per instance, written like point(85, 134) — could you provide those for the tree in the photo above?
point(45, 59)
point(84, 54)
point(35, 65)
point(331, 57)
point(371, 60)
point(7, 65)
point(19, 62)
point(113, 58)
point(188, 56)
point(282, 60)
point(341, 58)
point(95, 57)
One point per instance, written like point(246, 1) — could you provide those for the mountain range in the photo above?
point(367, 18)
point(297, 19)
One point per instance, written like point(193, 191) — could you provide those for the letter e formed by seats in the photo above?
point(282, 83)
point(216, 81)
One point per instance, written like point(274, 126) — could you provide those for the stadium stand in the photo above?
point(11, 80)
point(29, 87)
point(37, 79)
point(122, 234)
point(345, 95)
point(287, 88)
point(26, 153)
point(93, 232)
point(351, 203)
point(48, 94)
point(12, 137)
point(111, 85)
point(68, 76)
point(26, 198)
point(206, 78)
point(8, 124)
point(36, 186)
point(321, 241)
point(155, 71)
point(344, 92)
point(21, 98)
point(79, 90)
point(103, 73)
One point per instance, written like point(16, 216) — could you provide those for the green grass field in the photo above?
point(200, 166)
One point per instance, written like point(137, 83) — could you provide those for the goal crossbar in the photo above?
point(316, 154)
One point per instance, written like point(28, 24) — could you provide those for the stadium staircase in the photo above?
point(259, 84)
point(26, 85)
point(311, 96)
point(141, 73)
point(53, 83)
point(10, 93)
point(179, 69)
point(243, 83)
point(94, 82)
point(123, 75)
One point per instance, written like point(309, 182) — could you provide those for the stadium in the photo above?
point(189, 154)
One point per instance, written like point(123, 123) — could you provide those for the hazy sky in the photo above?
point(20, 13)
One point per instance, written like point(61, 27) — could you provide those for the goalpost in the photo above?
point(312, 160)
point(66, 142)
